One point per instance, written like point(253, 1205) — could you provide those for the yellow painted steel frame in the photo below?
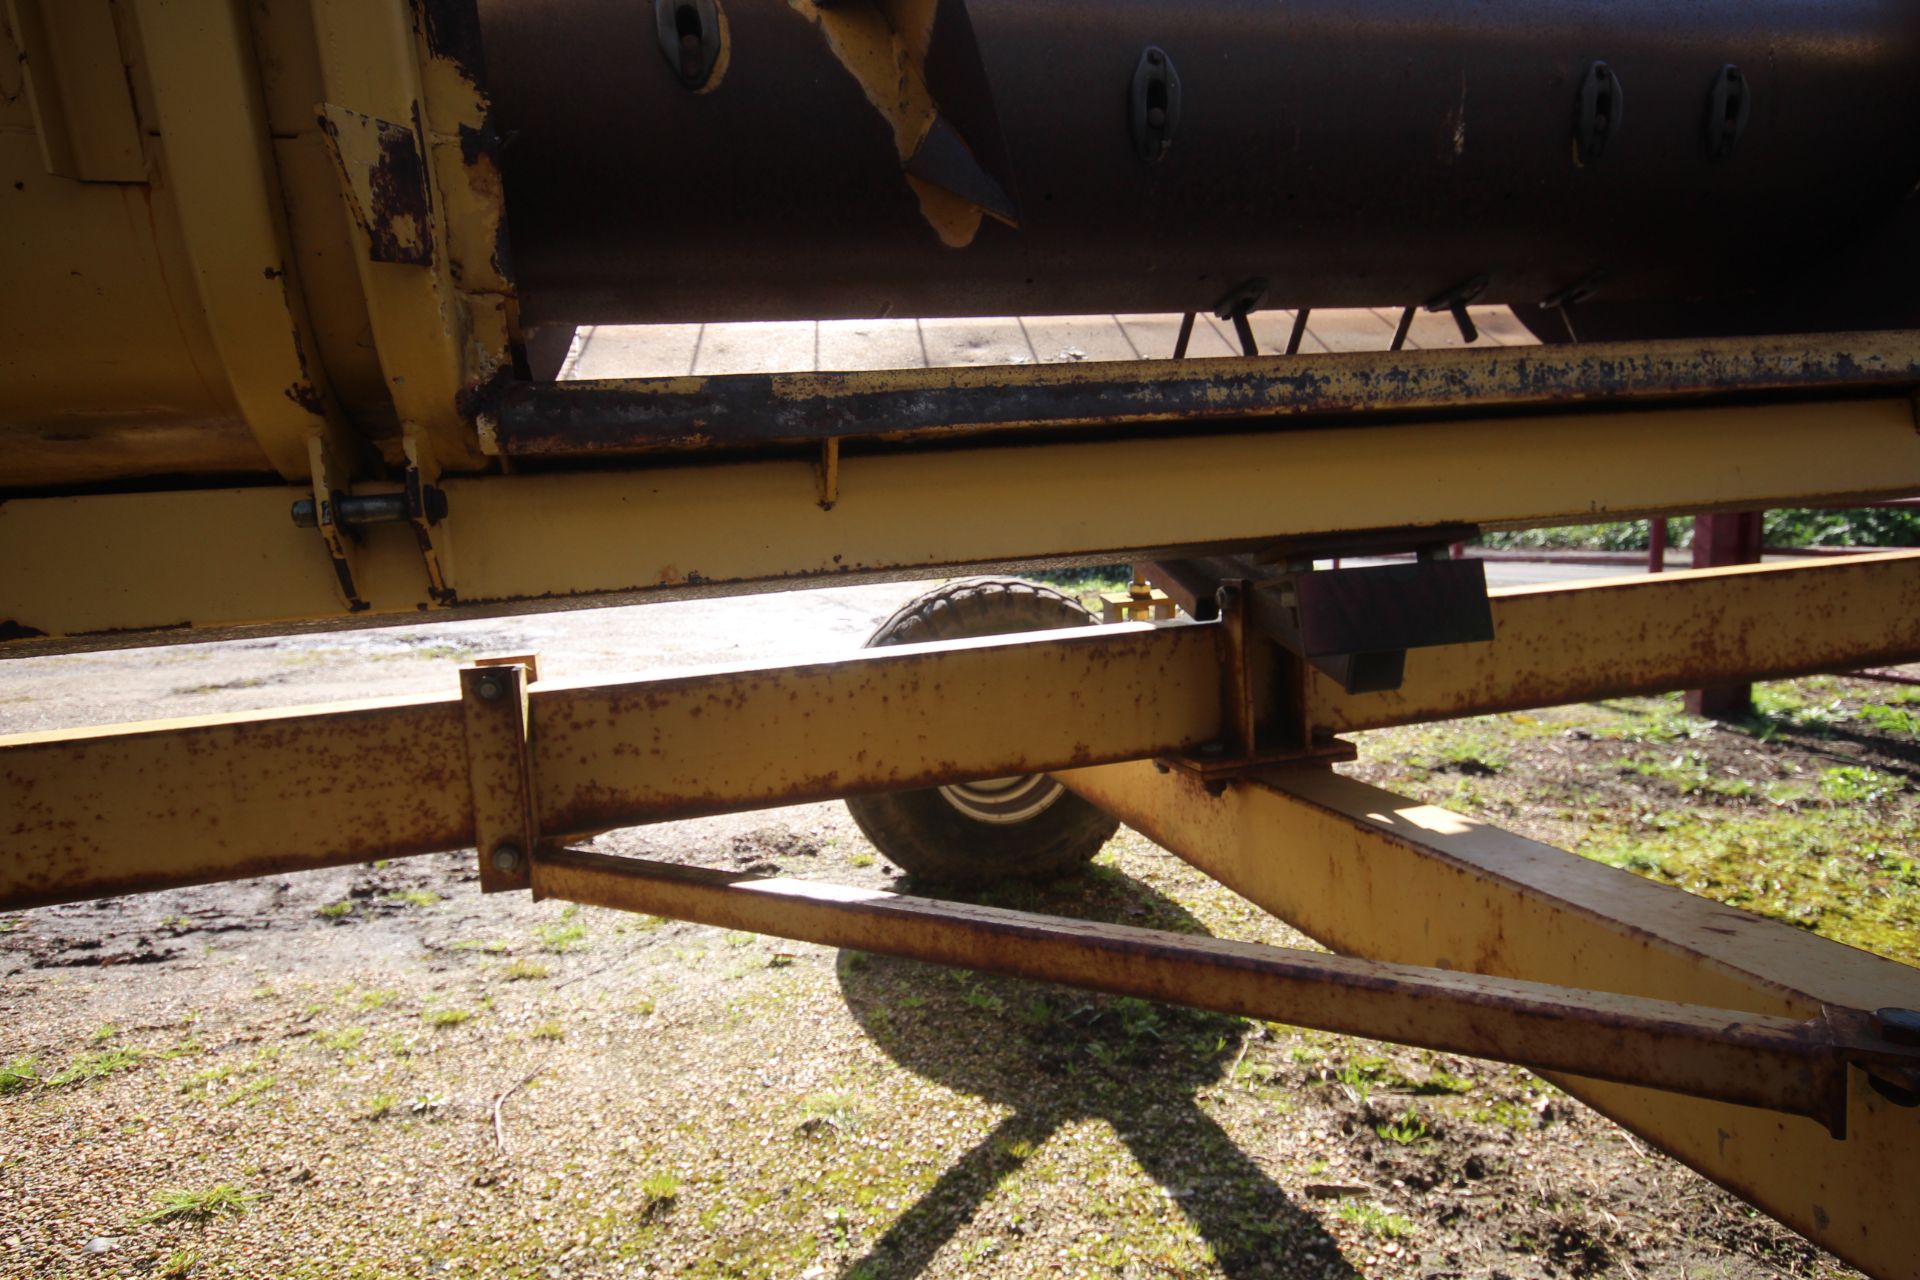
point(515, 768)
point(1370, 874)
point(80, 570)
point(192, 288)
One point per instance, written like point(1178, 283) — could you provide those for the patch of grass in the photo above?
point(525, 971)
point(249, 1091)
point(1856, 784)
point(492, 947)
point(736, 938)
point(1883, 717)
point(548, 1031)
point(198, 1206)
point(413, 897)
point(862, 860)
point(1840, 869)
point(1377, 1221)
point(1688, 772)
point(371, 1000)
point(379, 1106)
point(346, 1039)
point(1405, 1131)
point(441, 1018)
point(1507, 1113)
point(1442, 1082)
point(336, 910)
point(660, 1188)
point(19, 1075)
point(562, 936)
point(838, 1111)
point(203, 1081)
point(93, 1066)
point(178, 1264)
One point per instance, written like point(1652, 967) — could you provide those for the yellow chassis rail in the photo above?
point(112, 569)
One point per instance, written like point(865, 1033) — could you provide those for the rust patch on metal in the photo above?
point(304, 394)
point(452, 28)
point(681, 413)
point(400, 220)
point(385, 173)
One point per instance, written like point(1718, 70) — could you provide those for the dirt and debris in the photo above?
point(372, 1071)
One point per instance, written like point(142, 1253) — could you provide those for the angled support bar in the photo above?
point(1779, 1064)
point(1372, 875)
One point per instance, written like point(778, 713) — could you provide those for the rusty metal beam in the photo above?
point(569, 419)
point(1370, 874)
point(1567, 643)
point(1779, 1064)
point(82, 570)
point(94, 812)
point(181, 802)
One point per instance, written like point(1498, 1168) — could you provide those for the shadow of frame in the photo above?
point(1056, 1056)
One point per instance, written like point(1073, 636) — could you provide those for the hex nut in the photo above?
point(490, 689)
point(506, 859)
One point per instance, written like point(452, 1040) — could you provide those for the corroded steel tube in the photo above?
point(918, 157)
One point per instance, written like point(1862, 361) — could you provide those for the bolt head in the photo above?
point(507, 859)
point(1901, 1026)
point(491, 689)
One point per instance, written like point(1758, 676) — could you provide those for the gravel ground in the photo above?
point(372, 1072)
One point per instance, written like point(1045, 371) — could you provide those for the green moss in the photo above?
point(93, 1066)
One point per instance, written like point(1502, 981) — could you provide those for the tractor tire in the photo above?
point(969, 834)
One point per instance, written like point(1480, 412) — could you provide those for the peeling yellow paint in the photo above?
point(883, 45)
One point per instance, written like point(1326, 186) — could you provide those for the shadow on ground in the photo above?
point(1056, 1055)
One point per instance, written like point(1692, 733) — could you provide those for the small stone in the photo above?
point(103, 1244)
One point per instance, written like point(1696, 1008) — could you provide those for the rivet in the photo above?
point(490, 689)
point(506, 858)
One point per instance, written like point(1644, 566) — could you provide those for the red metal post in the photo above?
point(1657, 545)
point(1721, 540)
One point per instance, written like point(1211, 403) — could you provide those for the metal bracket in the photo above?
point(1729, 108)
point(691, 39)
point(495, 712)
point(1455, 302)
point(828, 469)
point(1354, 624)
point(1263, 720)
point(329, 491)
point(1601, 107)
point(426, 508)
point(1155, 104)
point(1140, 602)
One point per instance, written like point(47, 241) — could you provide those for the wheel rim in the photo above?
point(1003, 802)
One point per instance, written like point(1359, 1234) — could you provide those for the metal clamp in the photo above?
point(1601, 107)
point(498, 721)
point(1155, 103)
point(1729, 107)
point(690, 39)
